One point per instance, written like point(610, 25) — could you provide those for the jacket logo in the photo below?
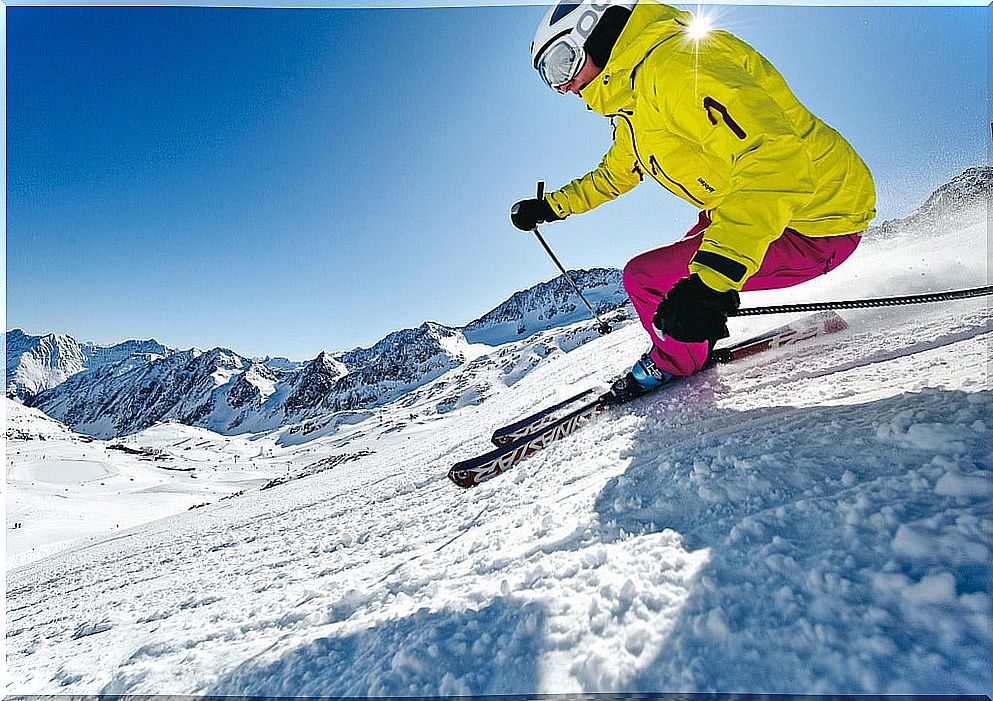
point(656, 169)
point(706, 186)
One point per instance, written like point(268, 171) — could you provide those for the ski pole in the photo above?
point(863, 303)
point(604, 327)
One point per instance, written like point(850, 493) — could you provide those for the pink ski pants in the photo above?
point(790, 260)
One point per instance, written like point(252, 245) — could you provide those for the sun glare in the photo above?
point(699, 27)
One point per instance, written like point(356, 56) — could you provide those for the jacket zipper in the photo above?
point(653, 164)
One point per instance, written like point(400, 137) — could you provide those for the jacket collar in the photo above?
point(651, 23)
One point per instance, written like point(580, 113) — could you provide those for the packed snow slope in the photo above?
point(64, 487)
point(809, 520)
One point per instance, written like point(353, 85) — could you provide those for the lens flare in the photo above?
point(699, 27)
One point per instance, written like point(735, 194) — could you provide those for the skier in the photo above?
point(783, 197)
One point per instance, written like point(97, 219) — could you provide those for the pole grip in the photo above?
point(541, 189)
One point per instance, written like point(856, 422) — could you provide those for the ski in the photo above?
point(800, 330)
point(530, 424)
point(522, 438)
point(469, 473)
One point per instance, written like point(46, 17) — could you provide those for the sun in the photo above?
point(699, 27)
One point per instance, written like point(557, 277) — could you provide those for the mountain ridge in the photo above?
point(132, 385)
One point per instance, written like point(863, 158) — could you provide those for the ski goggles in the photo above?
point(561, 62)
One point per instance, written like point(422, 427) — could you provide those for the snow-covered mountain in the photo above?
point(548, 305)
point(813, 519)
point(135, 393)
point(400, 362)
point(24, 424)
point(37, 363)
point(280, 365)
point(961, 202)
point(229, 393)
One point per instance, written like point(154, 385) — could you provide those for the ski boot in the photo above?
point(643, 378)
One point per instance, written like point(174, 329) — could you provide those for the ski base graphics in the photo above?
point(469, 473)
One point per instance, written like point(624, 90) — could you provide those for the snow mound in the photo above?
point(25, 423)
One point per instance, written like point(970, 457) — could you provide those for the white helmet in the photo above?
point(558, 51)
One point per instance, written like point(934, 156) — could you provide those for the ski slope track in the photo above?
point(813, 519)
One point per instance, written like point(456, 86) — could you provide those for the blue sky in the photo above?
point(282, 181)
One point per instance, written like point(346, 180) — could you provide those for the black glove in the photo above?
point(527, 214)
point(693, 313)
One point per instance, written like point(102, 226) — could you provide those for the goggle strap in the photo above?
point(577, 34)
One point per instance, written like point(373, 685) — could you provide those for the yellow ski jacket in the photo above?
point(713, 122)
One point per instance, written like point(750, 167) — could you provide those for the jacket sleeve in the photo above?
point(617, 173)
point(722, 110)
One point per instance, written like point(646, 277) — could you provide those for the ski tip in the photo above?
point(460, 480)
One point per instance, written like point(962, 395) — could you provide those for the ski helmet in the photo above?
point(570, 31)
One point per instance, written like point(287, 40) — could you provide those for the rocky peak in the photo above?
point(252, 386)
point(548, 305)
point(314, 383)
point(964, 199)
point(37, 363)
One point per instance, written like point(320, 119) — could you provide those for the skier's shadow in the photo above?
point(677, 423)
point(800, 511)
point(490, 651)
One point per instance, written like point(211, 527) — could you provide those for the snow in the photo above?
point(456, 345)
point(54, 471)
point(65, 489)
point(813, 519)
